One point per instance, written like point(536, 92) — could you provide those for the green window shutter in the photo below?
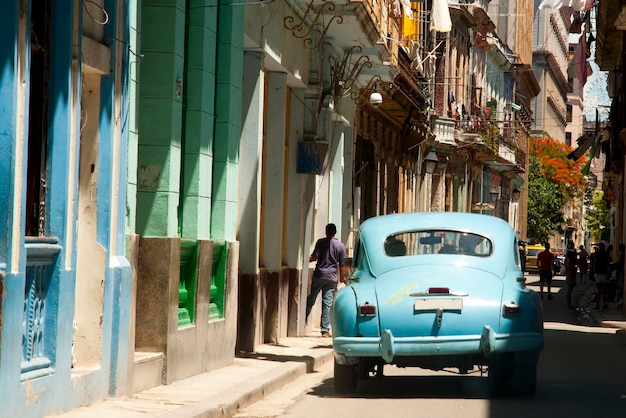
point(187, 284)
point(218, 280)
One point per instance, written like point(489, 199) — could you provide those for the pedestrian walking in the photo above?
point(329, 253)
point(620, 273)
point(571, 263)
point(592, 263)
point(601, 266)
point(583, 264)
point(522, 255)
point(545, 260)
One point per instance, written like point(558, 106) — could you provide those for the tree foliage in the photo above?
point(553, 181)
point(544, 204)
point(596, 218)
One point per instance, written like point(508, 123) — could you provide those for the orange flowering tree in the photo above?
point(559, 169)
point(553, 181)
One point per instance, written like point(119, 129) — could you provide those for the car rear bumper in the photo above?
point(348, 350)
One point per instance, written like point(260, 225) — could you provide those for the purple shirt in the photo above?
point(330, 252)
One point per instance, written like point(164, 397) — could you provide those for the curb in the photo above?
point(226, 404)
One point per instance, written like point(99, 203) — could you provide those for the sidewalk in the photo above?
point(221, 392)
point(612, 317)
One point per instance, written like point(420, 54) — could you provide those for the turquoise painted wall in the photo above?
point(199, 122)
point(228, 122)
point(189, 119)
point(8, 97)
point(160, 117)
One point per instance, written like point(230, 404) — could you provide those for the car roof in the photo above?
point(375, 230)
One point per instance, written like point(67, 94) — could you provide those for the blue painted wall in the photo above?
point(59, 390)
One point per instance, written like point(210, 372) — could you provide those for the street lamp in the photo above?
point(431, 161)
point(494, 193)
point(515, 194)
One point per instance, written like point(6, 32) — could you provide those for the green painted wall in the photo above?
point(133, 133)
point(189, 121)
point(160, 117)
point(228, 122)
point(195, 209)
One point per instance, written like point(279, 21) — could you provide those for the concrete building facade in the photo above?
point(550, 63)
point(65, 282)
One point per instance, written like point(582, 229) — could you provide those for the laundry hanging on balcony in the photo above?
point(440, 17)
point(578, 5)
point(402, 4)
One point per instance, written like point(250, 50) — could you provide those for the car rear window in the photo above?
point(437, 242)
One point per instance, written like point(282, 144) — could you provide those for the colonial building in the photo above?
point(65, 282)
point(550, 63)
point(611, 23)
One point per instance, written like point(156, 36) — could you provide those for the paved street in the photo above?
point(580, 375)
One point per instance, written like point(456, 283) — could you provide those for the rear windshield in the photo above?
point(533, 252)
point(437, 242)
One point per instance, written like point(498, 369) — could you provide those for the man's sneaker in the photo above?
point(325, 334)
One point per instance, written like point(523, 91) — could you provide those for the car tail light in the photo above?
point(511, 308)
point(367, 310)
point(439, 290)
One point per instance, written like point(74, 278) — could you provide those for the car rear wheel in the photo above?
point(501, 371)
point(526, 378)
point(344, 378)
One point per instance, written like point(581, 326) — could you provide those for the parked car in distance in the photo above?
point(437, 290)
point(531, 257)
point(559, 265)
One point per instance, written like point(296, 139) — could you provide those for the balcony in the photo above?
point(493, 142)
point(365, 24)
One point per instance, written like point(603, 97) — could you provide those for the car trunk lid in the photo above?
point(438, 300)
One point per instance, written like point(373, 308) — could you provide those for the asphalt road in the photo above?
point(582, 373)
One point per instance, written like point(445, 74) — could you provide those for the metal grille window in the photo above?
point(38, 117)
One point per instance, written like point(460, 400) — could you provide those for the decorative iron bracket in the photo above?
point(344, 74)
point(299, 29)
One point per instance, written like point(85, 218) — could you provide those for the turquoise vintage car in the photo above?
point(437, 290)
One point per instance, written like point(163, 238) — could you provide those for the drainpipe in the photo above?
point(446, 87)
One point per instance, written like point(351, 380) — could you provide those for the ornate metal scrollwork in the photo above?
point(299, 29)
point(343, 74)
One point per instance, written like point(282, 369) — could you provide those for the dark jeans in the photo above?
point(327, 287)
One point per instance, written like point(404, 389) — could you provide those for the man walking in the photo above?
point(571, 263)
point(329, 253)
point(583, 264)
point(601, 265)
point(545, 260)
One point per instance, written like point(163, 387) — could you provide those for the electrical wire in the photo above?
point(104, 12)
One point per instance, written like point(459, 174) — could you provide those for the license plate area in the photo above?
point(433, 304)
